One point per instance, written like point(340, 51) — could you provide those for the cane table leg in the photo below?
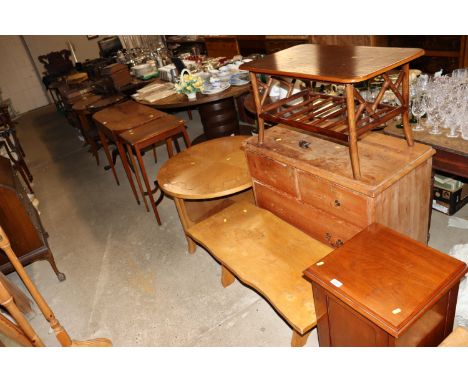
point(137, 174)
point(148, 188)
point(105, 147)
point(353, 147)
point(185, 223)
point(123, 157)
point(405, 117)
point(186, 137)
point(261, 123)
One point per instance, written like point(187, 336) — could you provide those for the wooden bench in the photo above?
point(268, 254)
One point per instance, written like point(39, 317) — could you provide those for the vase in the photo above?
point(192, 96)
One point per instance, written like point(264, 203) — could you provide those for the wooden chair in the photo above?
point(221, 46)
point(21, 330)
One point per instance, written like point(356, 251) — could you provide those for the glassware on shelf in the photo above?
point(418, 108)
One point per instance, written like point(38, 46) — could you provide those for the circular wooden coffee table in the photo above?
point(206, 178)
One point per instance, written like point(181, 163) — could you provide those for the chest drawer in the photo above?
point(333, 198)
point(273, 173)
point(321, 225)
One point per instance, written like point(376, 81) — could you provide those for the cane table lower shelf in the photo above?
point(335, 118)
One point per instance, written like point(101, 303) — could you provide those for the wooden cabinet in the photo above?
point(383, 289)
point(21, 222)
point(309, 182)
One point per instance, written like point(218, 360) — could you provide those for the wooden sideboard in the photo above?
point(21, 222)
point(308, 182)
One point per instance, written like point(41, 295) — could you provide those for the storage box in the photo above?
point(449, 194)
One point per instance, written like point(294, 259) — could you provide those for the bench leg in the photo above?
point(227, 278)
point(299, 340)
point(185, 223)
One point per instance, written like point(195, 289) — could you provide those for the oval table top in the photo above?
point(83, 103)
point(176, 101)
point(208, 170)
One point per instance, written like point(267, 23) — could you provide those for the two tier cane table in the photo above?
point(340, 119)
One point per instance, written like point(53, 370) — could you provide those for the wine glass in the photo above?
point(418, 108)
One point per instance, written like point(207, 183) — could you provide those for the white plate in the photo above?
point(214, 90)
point(238, 82)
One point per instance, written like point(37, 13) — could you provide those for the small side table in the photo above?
point(384, 289)
point(116, 119)
point(136, 140)
point(205, 179)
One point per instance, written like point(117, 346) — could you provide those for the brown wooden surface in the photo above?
point(313, 188)
point(85, 101)
point(208, 170)
point(21, 223)
point(267, 254)
point(382, 271)
point(451, 153)
point(384, 159)
point(126, 115)
point(176, 101)
point(340, 64)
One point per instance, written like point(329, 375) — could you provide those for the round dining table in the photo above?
point(205, 179)
point(218, 112)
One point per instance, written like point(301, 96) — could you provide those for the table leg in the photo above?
point(148, 188)
point(170, 150)
point(137, 175)
point(186, 137)
point(105, 146)
point(123, 157)
point(256, 95)
point(353, 147)
point(405, 116)
point(185, 223)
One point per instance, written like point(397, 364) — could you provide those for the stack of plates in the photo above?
point(210, 89)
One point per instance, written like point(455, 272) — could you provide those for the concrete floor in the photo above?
point(129, 279)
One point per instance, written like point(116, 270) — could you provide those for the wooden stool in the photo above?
point(136, 140)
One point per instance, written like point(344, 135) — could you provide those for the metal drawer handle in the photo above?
point(338, 243)
point(337, 203)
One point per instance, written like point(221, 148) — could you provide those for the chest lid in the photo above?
point(388, 278)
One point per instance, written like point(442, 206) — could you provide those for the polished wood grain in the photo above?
point(340, 64)
point(126, 115)
point(208, 170)
point(391, 281)
point(267, 254)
